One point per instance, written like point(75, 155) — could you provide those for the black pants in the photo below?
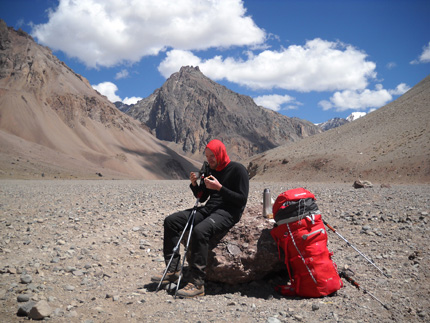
point(206, 225)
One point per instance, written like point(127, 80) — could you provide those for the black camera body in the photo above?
point(205, 171)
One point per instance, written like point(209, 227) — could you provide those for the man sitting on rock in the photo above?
point(225, 189)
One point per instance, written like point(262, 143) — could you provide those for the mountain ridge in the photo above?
point(46, 104)
point(390, 144)
point(54, 125)
point(189, 110)
point(332, 123)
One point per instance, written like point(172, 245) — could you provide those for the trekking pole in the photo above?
point(343, 274)
point(176, 249)
point(192, 215)
point(349, 244)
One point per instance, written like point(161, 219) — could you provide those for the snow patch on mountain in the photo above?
point(355, 115)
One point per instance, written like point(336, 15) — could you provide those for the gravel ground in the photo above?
point(87, 249)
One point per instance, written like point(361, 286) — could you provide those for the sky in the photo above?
point(311, 59)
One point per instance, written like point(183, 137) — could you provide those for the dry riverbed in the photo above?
point(85, 251)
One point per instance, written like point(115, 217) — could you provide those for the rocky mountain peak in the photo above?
point(190, 109)
point(355, 115)
point(190, 70)
point(332, 123)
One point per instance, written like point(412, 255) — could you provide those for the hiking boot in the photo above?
point(191, 291)
point(171, 277)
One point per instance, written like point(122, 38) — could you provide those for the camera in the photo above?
point(205, 170)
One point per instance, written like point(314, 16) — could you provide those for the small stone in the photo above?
point(170, 287)
point(273, 320)
point(78, 273)
point(25, 308)
point(315, 307)
point(23, 298)
point(71, 314)
point(58, 312)
point(26, 279)
point(55, 260)
point(69, 288)
point(40, 310)
point(70, 269)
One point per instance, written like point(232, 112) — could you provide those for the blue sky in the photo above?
point(314, 60)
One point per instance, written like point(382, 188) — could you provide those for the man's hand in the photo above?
point(212, 183)
point(193, 178)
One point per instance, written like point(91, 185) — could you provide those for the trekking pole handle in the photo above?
point(342, 274)
point(329, 226)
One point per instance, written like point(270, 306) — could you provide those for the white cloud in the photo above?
point(359, 100)
point(275, 101)
point(326, 105)
point(400, 89)
point(424, 57)
point(319, 65)
point(110, 32)
point(121, 74)
point(175, 59)
point(132, 100)
point(109, 90)
point(362, 99)
point(391, 65)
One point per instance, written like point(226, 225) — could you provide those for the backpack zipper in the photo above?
point(305, 236)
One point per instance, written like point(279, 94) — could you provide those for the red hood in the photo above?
point(218, 148)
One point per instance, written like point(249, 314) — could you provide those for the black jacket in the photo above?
point(234, 192)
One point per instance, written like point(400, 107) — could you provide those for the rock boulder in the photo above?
point(246, 253)
point(362, 184)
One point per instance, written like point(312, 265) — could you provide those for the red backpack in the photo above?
point(302, 236)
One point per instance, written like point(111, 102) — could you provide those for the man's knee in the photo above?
point(168, 220)
point(173, 221)
point(203, 233)
point(200, 234)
